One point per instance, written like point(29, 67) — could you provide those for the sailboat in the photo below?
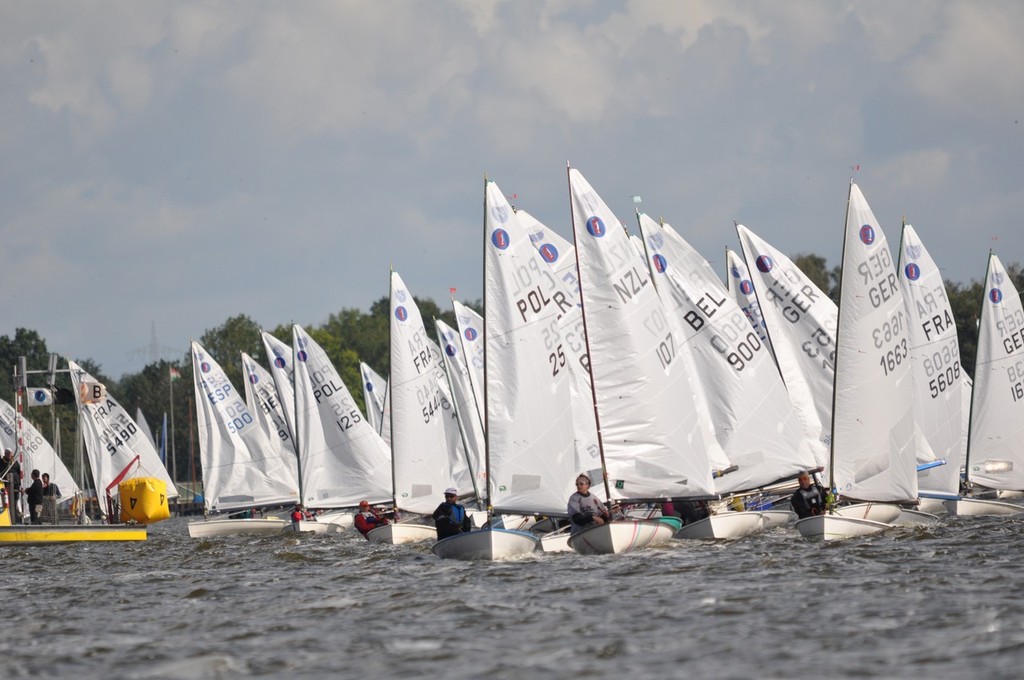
point(422, 463)
point(651, 440)
point(995, 444)
point(533, 450)
point(753, 419)
point(378, 410)
point(872, 456)
point(242, 472)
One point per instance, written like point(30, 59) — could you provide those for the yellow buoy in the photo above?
point(143, 500)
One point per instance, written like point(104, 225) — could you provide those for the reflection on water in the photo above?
point(940, 601)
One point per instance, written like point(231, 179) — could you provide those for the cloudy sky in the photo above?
point(179, 163)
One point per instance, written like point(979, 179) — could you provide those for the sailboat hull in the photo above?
point(555, 541)
point(312, 527)
point(726, 525)
point(621, 536)
point(343, 519)
point(774, 519)
point(838, 527)
point(885, 513)
point(209, 528)
point(486, 544)
point(974, 507)
point(399, 534)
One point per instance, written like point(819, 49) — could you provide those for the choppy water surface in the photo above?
point(937, 602)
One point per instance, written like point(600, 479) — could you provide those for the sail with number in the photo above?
point(653, 443)
point(419, 440)
point(533, 447)
point(38, 453)
point(241, 469)
point(741, 288)
point(935, 361)
point(280, 356)
point(753, 419)
point(116, 447)
point(995, 449)
point(264, 403)
point(801, 322)
point(471, 334)
point(342, 460)
point(873, 455)
point(467, 425)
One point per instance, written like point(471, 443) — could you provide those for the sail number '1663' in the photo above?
point(894, 357)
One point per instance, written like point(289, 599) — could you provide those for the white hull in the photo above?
point(621, 536)
point(725, 525)
point(1006, 493)
point(837, 527)
point(557, 541)
point(486, 544)
point(935, 506)
point(398, 534)
point(234, 527)
point(308, 526)
point(915, 518)
point(343, 519)
point(886, 513)
point(973, 507)
point(774, 519)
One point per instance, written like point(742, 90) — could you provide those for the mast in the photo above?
point(835, 365)
point(970, 417)
point(295, 410)
point(387, 391)
point(486, 420)
point(586, 342)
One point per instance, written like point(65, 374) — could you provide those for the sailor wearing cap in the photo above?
point(450, 518)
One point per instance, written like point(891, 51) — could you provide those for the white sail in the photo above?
point(116, 448)
point(471, 333)
point(378, 410)
point(741, 288)
point(533, 447)
point(468, 426)
point(873, 454)
point(342, 460)
point(240, 467)
point(801, 322)
point(935, 361)
point(560, 256)
point(264, 403)
point(995, 450)
point(653, 444)
point(559, 253)
point(419, 441)
point(279, 356)
point(37, 452)
point(753, 418)
point(140, 420)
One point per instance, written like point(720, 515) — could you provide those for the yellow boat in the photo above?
point(44, 534)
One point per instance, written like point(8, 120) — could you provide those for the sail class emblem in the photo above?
point(401, 313)
point(500, 239)
point(746, 287)
point(867, 234)
point(660, 264)
point(549, 252)
point(995, 295)
point(595, 227)
point(912, 271)
point(764, 264)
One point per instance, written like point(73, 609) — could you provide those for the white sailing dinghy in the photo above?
point(754, 422)
point(651, 441)
point(531, 444)
point(741, 288)
point(466, 418)
point(378, 410)
point(995, 445)
point(241, 470)
point(872, 453)
point(421, 466)
point(38, 453)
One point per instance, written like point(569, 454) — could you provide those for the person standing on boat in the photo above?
point(51, 492)
point(809, 499)
point(450, 517)
point(585, 510)
point(368, 519)
point(35, 497)
point(10, 468)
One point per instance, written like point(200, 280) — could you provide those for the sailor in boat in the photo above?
point(585, 510)
point(688, 512)
point(810, 499)
point(300, 513)
point(450, 517)
point(368, 519)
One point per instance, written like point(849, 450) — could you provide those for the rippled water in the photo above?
point(937, 602)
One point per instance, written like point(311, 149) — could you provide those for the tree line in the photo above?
point(348, 337)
